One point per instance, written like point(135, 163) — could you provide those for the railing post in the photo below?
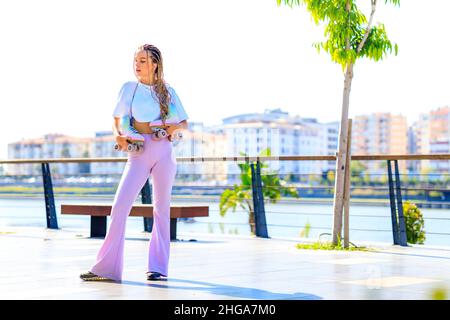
point(398, 219)
point(52, 222)
point(401, 218)
point(254, 193)
point(258, 201)
point(146, 195)
point(392, 202)
point(260, 219)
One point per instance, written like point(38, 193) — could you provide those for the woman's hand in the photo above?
point(122, 142)
point(173, 130)
point(172, 127)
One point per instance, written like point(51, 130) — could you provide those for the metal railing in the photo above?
point(395, 189)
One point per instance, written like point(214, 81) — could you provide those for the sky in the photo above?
point(63, 62)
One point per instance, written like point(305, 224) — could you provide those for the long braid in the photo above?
point(160, 87)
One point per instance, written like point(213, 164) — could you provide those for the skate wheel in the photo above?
point(161, 133)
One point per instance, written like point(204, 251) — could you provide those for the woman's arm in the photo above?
point(120, 140)
point(116, 127)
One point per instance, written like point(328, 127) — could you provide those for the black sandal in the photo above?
point(89, 276)
point(154, 276)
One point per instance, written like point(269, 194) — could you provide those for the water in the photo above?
point(367, 223)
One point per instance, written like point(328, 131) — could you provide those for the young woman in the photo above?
point(150, 99)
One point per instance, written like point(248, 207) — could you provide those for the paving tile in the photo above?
point(37, 264)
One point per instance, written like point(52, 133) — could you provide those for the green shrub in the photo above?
point(415, 232)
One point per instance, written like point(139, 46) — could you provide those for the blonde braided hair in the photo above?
point(160, 87)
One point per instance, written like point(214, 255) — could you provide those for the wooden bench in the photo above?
point(99, 213)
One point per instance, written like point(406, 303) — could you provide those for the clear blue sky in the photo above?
point(63, 62)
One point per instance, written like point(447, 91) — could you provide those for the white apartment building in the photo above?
point(284, 135)
point(49, 146)
point(431, 133)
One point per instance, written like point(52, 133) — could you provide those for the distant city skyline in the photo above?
point(410, 123)
point(282, 133)
point(63, 62)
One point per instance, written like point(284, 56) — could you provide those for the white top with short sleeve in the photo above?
point(145, 107)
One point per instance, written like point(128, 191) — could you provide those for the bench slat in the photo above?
point(138, 210)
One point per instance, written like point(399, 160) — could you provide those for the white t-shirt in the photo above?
point(146, 104)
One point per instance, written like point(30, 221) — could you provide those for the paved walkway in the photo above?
point(37, 263)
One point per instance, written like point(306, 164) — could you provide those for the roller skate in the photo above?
point(160, 132)
point(134, 138)
point(176, 135)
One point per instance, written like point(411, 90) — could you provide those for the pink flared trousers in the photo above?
point(158, 161)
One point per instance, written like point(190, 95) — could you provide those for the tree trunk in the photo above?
point(251, 222)
point(341, 158)
point(346, 205)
